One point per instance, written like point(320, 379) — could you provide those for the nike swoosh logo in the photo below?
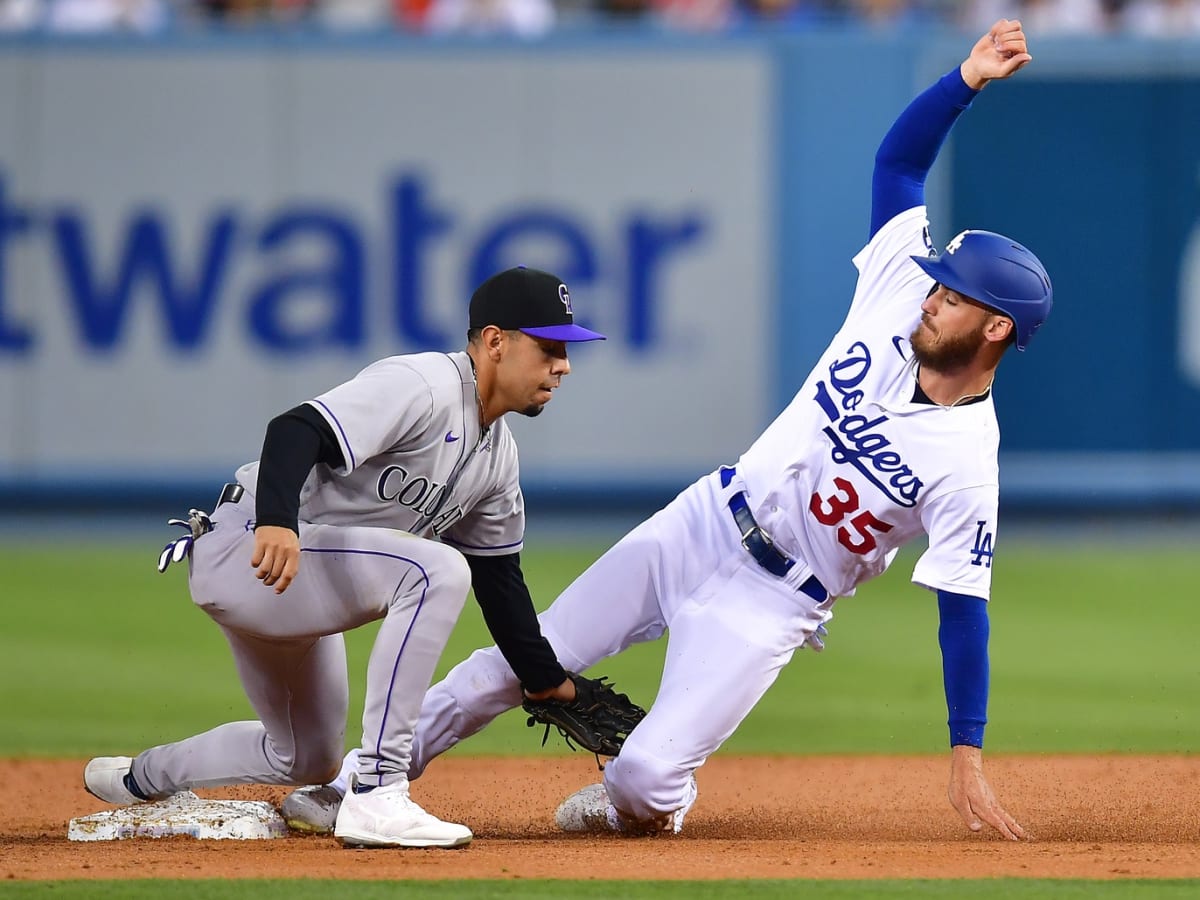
point(896, 341)
point(451, 437)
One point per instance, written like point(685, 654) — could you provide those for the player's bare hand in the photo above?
point(972, 796)
point(564, 692)
point(276, 556)
point(998, 54)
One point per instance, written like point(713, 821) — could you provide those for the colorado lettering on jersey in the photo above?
point(419, 494)
point(857, 440)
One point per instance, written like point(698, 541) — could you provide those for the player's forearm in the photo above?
point(963, 636)
point(909, 149)
point(508, 612)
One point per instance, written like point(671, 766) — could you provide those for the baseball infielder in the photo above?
point(361, 507)
point(892, 435)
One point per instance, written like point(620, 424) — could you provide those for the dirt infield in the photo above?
point(759, 817)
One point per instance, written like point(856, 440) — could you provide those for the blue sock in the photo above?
point(133, 787)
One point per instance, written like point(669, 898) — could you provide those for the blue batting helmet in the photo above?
point(997, 272)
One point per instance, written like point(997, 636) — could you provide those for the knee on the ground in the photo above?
point(643, 786)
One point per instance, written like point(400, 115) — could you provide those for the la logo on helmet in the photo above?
point(565, 297)
point(957, 242)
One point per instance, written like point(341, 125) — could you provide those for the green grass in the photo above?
point(999, 889)
point(1093, 649)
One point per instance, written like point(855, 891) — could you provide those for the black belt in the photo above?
point(759, 544)
point(231, 493)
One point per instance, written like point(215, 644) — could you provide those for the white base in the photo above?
point(183, 814)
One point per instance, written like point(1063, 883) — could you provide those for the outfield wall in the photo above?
point(197, 233)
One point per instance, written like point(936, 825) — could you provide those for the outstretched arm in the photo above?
point(963, 635)
point(508, 612)
point(911, 146)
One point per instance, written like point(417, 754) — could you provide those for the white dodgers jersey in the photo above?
point(853, 469)
point(416, 458)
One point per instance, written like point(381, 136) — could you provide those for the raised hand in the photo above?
point(998, 54)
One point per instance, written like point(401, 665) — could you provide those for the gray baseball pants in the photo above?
point(291, 657)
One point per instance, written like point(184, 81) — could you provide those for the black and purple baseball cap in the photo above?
point(531, 301)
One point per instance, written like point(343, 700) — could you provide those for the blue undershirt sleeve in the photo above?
point(963, 635)
point(911, 145)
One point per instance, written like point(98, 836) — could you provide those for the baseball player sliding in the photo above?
point(892, 435)
point(338, 524)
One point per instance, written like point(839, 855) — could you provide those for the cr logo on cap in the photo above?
point(565, 297)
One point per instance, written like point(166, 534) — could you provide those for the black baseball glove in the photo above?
point(598, 719)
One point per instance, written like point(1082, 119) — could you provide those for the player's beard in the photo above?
point(532, 410)
point(949, 353)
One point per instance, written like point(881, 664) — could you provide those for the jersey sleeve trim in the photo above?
point(343, 442)
point(515, 545)
point(947, 587)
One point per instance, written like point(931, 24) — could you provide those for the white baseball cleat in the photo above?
point(312, 809)
point(388, 817)
point(589, 810)
point(104, 778)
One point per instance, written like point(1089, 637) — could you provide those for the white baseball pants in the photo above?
point(732, 626)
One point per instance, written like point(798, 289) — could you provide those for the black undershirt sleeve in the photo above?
point(503, 597)
point(295, 442)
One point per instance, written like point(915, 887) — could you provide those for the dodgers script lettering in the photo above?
point(859, 440)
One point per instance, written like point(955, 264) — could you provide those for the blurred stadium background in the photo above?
point(210, 211)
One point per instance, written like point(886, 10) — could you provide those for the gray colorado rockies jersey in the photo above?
point(416, 458)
